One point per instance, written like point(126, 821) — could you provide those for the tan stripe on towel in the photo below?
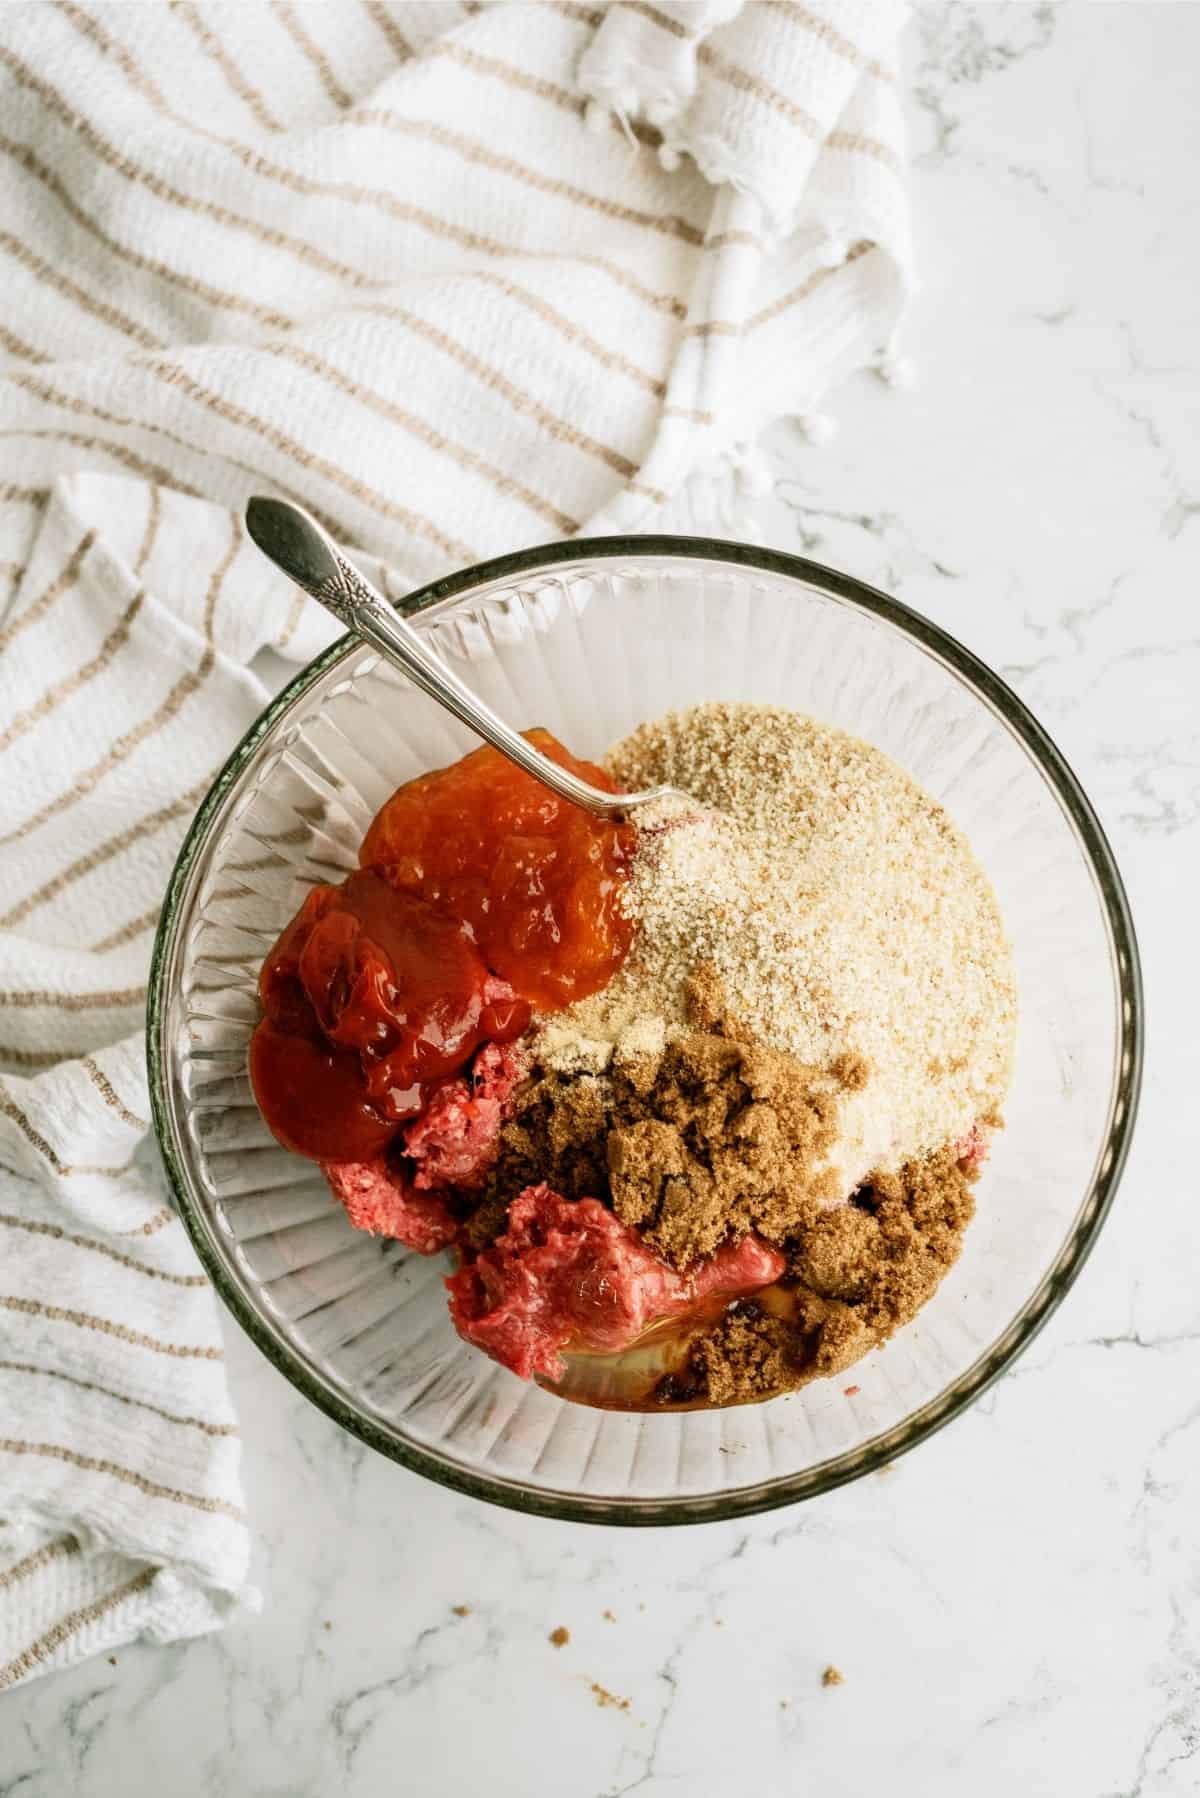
point(122, 1398)
point(53, 277)
point(746, 83)
point(17, 346)
point(62, 583)
point(11, 1110)
point(57, 1234)
point(795, 294)
point(237, 536)
point(150, 535)
point(127, 933)
point(179, 694)
point(72, 683)
point(153, 1224)
point(52, 1451)
point(397, 42)
point(110, 1095)
point(115, 158)
point(99, 1001)
point(29, 496)
point(830, 35)
point(103, 852)
point(428, 131)
point(108, 47)
point(449, 49)
point(121, 749)
point(664, 21)
point(104, 1326)
point(310, 49)
point(517, 397)
point(428, 434)
point(67, 1626)
point(857, 145)
point(418, 526)
point(237, 82)
point(190, 284)
point(151, 471)
point(33, 1060)
point(303, 250)
point(567, 327)
point(41, 1557)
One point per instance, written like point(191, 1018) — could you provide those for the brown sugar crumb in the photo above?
point(850, 1391)
point(560, 1636)
point(605, 1698)
point(460, 1610)
point(833, 1677)
point(609, 1616)
point(708, 1136)
point(856, 1274)
point(747, 1355)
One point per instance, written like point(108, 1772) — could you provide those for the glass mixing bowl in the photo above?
point(591, 638)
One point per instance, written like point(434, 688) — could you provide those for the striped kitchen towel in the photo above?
point(458, 277)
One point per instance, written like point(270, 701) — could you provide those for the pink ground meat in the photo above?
point(972, 1149)
point(452, 1143)
point(569, 1272)
point(378, 1198)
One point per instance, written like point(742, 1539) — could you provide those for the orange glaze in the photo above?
point(480, 895)
point(537, 879)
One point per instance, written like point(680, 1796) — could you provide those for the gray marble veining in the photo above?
point(1016, 1607)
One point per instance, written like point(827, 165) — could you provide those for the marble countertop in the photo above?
point(1016, 1606)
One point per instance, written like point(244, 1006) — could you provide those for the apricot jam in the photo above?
point(480, 895)
point(537, 879)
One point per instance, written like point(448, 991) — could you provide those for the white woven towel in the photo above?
point(460, 278)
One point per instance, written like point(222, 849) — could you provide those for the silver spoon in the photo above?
point(295, 542)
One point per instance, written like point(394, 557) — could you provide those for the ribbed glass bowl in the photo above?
point(591, 639)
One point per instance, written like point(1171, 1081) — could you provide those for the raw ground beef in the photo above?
point(378, 1198)
point(454, 1140)
point(452, 1143)
point(972, 1149)
point(568, 1271)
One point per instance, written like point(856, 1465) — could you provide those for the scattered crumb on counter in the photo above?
point(609, 1616)
point(832, 1676)
point(783, 1703)
point(560, 1636)
point(849, 1391)
point(327, 1624)
point(461, 1610)
point(112, 1660)
point(604, 1698)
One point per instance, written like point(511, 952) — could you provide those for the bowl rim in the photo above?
point(825, 1476)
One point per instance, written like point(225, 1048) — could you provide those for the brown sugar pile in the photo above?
point(706, 1136)
point(856, 1274)
point(690, 1141)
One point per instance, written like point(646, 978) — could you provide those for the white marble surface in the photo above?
point(1016, 1606)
